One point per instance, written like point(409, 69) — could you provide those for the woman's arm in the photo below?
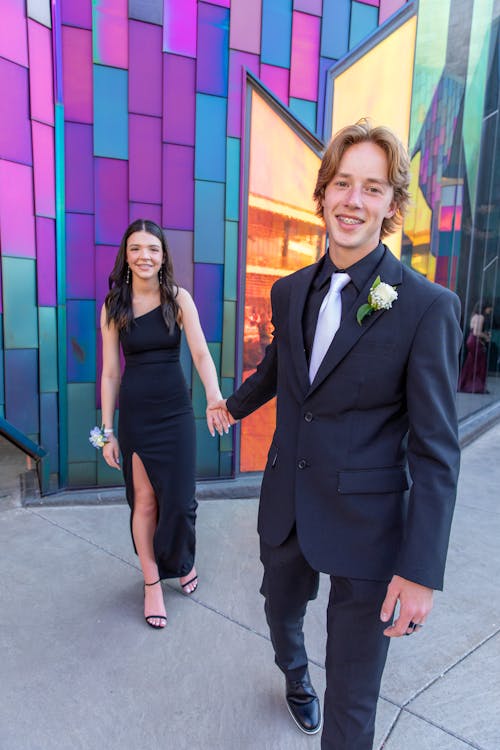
point(203, 362)
point(110, 384)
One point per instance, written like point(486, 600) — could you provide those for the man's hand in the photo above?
point(415, 603)
point(218, 417)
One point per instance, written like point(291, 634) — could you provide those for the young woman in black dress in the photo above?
point(143, 313)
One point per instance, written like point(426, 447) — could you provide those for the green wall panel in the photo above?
point(207, 451)
point(82, 474)
point(231, 260)
point(228, 339)
point(81, 419)
point(19, 303)
point(47, 322)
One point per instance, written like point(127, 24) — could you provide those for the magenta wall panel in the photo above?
point(46, 261)
point(105, 256)
point(178, 186)
point(371, 2)
point(388, 7)
point(13, 38)
point(77, 74)
point(77, 13)
point(110, 32)
point(145, 69)
point(238, 61)
point(79, 167)
point(179, 100)
point(15, 135)
point(80, 264)
point(180, 245)
point(40, 73)
point(309, 6)
point(179, 28)
point(17, 223)
point(111, 200)
point(246, 17)
point(305, 56)
point(150, 211)
point(145, 159)
point(43, 169)
point(276, 79)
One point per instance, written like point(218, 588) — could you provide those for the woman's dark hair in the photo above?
point(118, 302)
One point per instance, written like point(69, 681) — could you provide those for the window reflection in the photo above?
point(283, 235)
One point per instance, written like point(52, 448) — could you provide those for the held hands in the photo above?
point(111, 452)
point(218, 417)
point(415, 603)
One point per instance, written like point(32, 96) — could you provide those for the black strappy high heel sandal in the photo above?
point(154, 617)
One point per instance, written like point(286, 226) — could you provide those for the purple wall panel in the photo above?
point(150, 211)
point(80, 265)
point(388, 7)
point(111, 200)
point(145, 159)
point(77, 74)
point(40, 72)
point(305, 56)
point(13, 39)
point(245, 25)
point(276, 79)
point(145, 69)
point(17, 223)
point(15, 136)
point(212, 56)
point(79, 167)
point(110, 32)
point(179, 100)
point(178, 187)
point(180, 244)
point(179, 28)
point(105, 256)
point(309, 6)
point(371, 2)
point(238, 61)
point(43, 169)
point(223, 3)
point(76, 13)
point(46, 261)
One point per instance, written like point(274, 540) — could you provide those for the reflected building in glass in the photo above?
point(222, 147)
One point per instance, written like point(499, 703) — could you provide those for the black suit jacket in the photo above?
point(381, 407)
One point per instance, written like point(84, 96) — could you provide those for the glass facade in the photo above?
point(222, 147)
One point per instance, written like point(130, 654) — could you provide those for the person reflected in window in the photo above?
point(475, 368)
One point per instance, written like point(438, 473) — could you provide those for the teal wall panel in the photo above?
point(49, 421)
point(81, 419)
point(207, 451)
point(82, 474)
point(199, 399)
point(226, 464)
point(233, 179)
point(21, 390)
point(47, 360)
point(231, 261)
point(2, 397)
point(209, 222)
point(210, 153)
point(81, 347)
point(304, 111)
point(110, 112)
point(19, 303)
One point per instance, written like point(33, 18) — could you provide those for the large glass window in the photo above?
point(283, 235)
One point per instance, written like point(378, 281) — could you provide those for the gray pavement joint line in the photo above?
point(466, 741)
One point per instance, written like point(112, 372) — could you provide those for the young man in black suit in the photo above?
point(352, 424)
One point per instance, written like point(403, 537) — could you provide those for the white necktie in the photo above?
point(328, 321)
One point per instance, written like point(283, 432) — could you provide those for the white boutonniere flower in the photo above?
point(98, 437)
point(381, 297)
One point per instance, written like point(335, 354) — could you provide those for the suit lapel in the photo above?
point(298, 298)
point(390, 271)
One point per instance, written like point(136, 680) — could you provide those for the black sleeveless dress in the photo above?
point(156, 422)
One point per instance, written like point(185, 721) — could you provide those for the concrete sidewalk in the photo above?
point(80, 668)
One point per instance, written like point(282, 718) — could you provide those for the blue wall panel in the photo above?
point(276, 32)
point(49, 421)
point(208, 284)
point(110, 112)
point(213, 49)
point(209, 222)
point(210, 153)
point(81, 341)
point(335, 28)
point(21, 389)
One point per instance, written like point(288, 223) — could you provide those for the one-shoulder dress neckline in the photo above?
point(136, 317)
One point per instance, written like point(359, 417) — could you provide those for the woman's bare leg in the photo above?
point(144, 522)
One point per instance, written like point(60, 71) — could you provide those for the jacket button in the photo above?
point(302, 464)
point(308, 416)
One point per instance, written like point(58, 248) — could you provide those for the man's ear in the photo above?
point(392, 210)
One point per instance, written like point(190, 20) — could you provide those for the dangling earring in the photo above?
point(127, 277)
point(160, 275)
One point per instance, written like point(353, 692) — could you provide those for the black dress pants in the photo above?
point(356, 647)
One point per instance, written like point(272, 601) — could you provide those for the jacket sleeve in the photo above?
point(261, 386)
point(433, 448)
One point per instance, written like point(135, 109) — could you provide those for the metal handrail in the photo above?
point(32, 449)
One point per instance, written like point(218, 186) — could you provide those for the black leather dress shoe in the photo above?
point(303, 704)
